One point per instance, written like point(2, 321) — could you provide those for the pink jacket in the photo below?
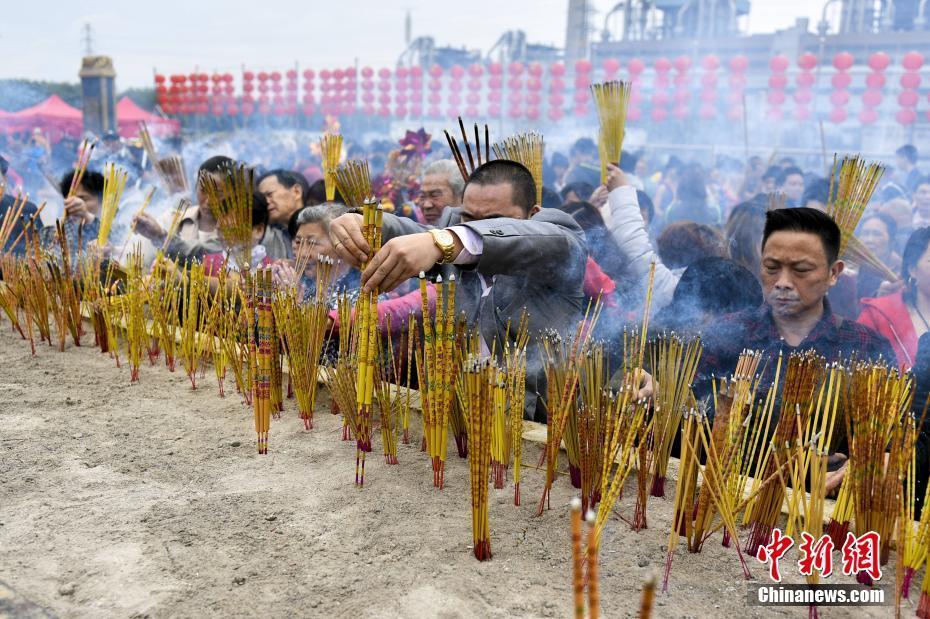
point(889, 316)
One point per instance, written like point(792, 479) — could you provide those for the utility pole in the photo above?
point(88, 39)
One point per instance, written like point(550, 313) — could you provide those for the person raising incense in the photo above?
point(509, 254)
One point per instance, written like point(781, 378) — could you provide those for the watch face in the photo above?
point(445, 237)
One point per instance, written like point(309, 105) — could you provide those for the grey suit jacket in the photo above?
point(536, 263)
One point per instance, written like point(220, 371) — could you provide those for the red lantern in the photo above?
point(805, 79)
point(803, 96)
point(535, 69)
point(910, 80)
point(384, 73)
point(635, 66)
point(557, 69)
point(875, 80)
point(611, 66)
point(912, 61)
point(583, 66)
point(159, 79)
point(872, 98)
point(738, 64)
point(555, 114)
point(841, 80)
point(843, 61)
point(515, 68)
point(776, 97)
point(802, 113)
point(868, 115)
point(778, 81)
point(707, 112)
point(710, 62)
point(659, 114)
point(807, 61)
point(879, 61)
point(908, 98)
point(906, 116)
point(779, 64)
point(838, 115)
point(839, 98)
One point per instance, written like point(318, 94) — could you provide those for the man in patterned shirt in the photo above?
point(800, 263)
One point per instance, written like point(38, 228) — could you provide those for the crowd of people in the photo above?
point(743, 252)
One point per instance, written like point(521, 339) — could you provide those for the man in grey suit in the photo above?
point(507, 252)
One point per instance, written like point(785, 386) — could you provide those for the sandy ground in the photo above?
point(149, 500)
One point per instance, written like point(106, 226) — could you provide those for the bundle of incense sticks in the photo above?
point(353, 182)
point(114, 180)
point(56, 290)
point(625, 427)
point(467, 343)
point(85, 152)
point(192, 343)
point(11, 217)
point(170, 170)
point(366, 323)
point(500, 431)
point(802, 377)
point(8, 298)
point(674, 364)
point(436, 367)
point(331, 151)
point(593, 403)
point(70, 304)
point(137, 338)
point(852, 184)
point(164, 304)
point(562, 360)
point(478, 393)
point(577, 559)
point(341, 377)
point(528, 150)
point(303, 327)
point(515, 385)
point(217, 328)
point(611, 99)
point(231, 206)
point(409, 342)
point(876, 400)
point(389, 404)
point(473, 160)
point(261, 365)
point(913, 536)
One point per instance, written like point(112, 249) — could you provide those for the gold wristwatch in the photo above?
point(446, 243)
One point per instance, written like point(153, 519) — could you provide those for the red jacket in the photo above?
point(889, 316)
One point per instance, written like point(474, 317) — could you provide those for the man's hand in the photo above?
point(399, 260)
point(646, 386)
point(284, 274)
point(615, 177)
point(345, 233)
point(77, 209)
point(148, 226)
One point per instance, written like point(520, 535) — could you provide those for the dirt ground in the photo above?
point(149, 500)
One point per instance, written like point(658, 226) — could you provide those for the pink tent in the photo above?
point(129, 115)
point(53, 115)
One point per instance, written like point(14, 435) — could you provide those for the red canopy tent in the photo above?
point(53, 116)
point(129, 115)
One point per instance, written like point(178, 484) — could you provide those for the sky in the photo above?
point(43, 39)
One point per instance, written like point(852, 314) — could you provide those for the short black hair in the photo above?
point(711, 285)
point(804, 219)
point(908, 151)
point(584, 145)
point(259, 210)
point(91, 181)
point(288, 179)
point(773, 172)
point(790, 171)
point(914, 248)
point(550, 198)
point(216, 164)
point(558, 159)
point(818, 190)
point(504, 171)
point(316, 194)
point(628, 161)
point(580, 188)
point(4, 165)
